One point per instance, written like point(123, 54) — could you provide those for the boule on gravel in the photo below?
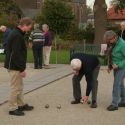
point(59, 106)
point(47, 106)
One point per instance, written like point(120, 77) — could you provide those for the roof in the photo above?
point(112, 15)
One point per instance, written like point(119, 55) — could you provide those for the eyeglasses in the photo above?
point(111, 38)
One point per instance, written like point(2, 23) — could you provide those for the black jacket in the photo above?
point(122, 34)
point(89, 64)
point(16, 53)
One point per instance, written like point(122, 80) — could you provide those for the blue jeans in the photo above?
point(118, 93)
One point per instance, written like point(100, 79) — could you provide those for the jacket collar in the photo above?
point(23, 33)
point(118, 40)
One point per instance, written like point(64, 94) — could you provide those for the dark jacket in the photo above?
point(122, 34)
point(89, 64)
point(16, 52)
point(48, 39)
point(5, 37)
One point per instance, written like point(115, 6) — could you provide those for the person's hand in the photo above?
point(84, 99)
point(109, 70)
point(23, 74)
point(76, 72)
point(115, 66)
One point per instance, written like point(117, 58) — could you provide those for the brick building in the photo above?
point(31, 7)
point(80, 10)
point(29, 4)
point(115, 18)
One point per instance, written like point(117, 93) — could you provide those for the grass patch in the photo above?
point(63, 57)
point(2, 57)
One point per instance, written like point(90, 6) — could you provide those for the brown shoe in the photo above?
point(47, 67)
point(94, 105)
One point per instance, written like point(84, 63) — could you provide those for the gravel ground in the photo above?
point(60, 93)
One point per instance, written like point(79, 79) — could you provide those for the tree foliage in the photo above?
point(119, 5)
point(79, 35)
point(9, 13)
point(8, 7)
point(57, 14)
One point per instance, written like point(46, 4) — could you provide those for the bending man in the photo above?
point(87, 65)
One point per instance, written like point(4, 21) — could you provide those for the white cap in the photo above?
point(76, 64)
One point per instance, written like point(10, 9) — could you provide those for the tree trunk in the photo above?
point(100, 16)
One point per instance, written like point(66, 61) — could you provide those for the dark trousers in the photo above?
point(38, 54)
point(77, 88)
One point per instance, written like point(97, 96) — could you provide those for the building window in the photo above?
point(38, 4)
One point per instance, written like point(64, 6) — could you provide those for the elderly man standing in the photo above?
point(87, 65)
point(117, 64)
point(6, 32)
point(38, 39)
point(122, 31)
point(15, 63)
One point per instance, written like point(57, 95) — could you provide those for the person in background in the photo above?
point(47, 45)
point(15, 63)
point(117, 64)
point(38, 39)
point(6, 32)
point(122, 31)
point(87, 65)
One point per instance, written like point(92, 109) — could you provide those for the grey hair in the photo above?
point(45, 25)
point(2, 27)
point(108, 35)
point(36, 26)
point(122, 23)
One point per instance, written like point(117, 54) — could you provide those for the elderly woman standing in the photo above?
point(117, 64)
point(47, 45)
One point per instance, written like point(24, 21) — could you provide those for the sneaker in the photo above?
point(16, 113)
point(75, 102)
point(94, 105)
point(112, 108)
point(26, 107)
point(121, 104)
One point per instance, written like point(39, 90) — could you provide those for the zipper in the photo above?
point(10, 60)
